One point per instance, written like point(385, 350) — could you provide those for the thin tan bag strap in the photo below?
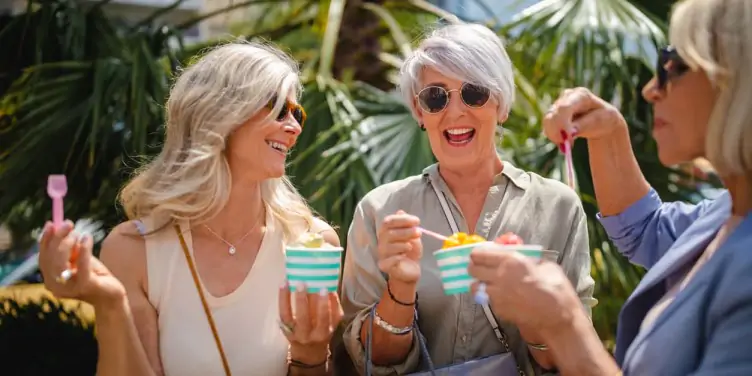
point(209, 317)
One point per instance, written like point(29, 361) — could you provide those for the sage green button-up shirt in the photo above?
point(541, 211)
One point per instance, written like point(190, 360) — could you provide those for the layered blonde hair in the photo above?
point(190, 178)
point(713, 36)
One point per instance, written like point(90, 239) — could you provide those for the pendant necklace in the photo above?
point(232, 249)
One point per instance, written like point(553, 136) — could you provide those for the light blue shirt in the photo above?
point(707, 329)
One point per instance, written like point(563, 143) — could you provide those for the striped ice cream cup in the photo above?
point(453, 263)
point(317, 268)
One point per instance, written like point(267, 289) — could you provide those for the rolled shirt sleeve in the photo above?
point(362, 286)
point(645, 231)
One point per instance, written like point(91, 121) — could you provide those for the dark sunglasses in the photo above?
point(297, 111)
point(670, 66)
point(435, 99)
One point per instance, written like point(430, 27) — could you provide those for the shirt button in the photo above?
point(464, 338)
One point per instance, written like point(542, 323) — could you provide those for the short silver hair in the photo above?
point(468, 52)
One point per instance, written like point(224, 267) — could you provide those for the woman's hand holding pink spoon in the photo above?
point(57, 188)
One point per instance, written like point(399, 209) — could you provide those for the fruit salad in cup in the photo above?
point(462, 238)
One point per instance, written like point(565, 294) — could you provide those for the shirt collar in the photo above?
point(518, 177)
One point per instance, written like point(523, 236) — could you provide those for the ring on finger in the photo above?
point(288, 329)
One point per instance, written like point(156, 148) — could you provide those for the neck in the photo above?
point(243, 212)
point(472, 180)
point(741, 194)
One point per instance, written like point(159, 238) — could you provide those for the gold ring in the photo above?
point(287, 328)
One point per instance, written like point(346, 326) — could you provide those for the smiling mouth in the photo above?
point(278, 147)
point(459, 136)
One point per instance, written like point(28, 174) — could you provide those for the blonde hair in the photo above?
point(713, 36)
point(190, 178)
point(467, 52)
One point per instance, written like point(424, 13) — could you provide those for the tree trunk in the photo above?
point(359, 46)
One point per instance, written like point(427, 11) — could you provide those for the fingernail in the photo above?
point(283, 285)
point(323, 292)
point(300, 287)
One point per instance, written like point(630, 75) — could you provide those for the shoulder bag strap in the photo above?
point(486, 309)
point(209, 317)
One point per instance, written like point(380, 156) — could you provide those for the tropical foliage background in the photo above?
point(81, 93)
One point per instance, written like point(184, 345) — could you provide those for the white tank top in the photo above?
point(246, 319)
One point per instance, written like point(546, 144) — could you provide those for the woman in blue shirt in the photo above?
point(692, 312)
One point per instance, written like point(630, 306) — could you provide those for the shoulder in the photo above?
point(546, 193)
point(552, 189)
point(730, 280)
point(124, 253)
point(398, 190)
point(736, 259)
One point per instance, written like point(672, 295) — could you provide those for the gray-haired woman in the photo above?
point(459, 84)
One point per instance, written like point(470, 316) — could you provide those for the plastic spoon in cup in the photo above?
point(57, 188)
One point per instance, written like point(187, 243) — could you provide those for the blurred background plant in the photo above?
point(81, 93)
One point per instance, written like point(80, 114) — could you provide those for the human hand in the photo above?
point(580, 113)
point(311, 327)
point(62, 249)
point(400, 247)
point(528, 293)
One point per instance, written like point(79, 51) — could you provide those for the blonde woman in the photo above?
point(214, 210)
point(692, 312)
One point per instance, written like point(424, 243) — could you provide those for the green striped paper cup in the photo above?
point(316, 267)
point(453, 263)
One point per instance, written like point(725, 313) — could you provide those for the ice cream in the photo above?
point(311, 240)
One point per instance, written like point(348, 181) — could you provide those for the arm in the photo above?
point(645, 231)
point(362, 286)
point(127, 332)
point(577, 350)
point(641, 226)
point(617, 178)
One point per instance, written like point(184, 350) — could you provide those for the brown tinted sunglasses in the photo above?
point(297, 111)
point(670, 65)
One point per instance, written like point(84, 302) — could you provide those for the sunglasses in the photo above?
point(670, 66)
point(434, 99)
point(297, 111)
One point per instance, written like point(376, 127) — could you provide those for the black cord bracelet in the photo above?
point(299, 364)
point(391, 296)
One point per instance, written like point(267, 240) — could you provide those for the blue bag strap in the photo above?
point(416, 332)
